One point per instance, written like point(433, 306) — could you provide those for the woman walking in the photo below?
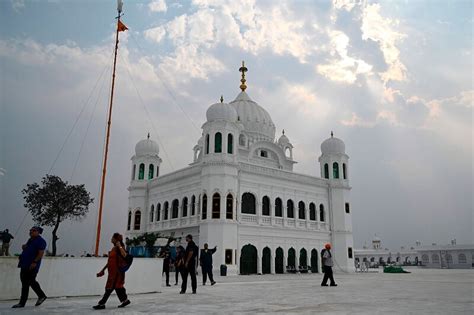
point(115, 277)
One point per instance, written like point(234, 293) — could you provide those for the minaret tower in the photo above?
point(145, 167)
point(335, 168)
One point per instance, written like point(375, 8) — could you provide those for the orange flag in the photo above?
point(121, 27)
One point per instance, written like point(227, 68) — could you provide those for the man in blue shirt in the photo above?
point(29, 264)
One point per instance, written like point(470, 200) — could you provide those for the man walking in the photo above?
point(327, 266)
point(206, 263)
point(6, 238)
point(29, 264)
point(190, 255)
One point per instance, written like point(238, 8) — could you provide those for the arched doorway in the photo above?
point(303, 258)
point(292, 258)
point(248, 260)
point(314, 261)
point(266, 260)
point(279, 260)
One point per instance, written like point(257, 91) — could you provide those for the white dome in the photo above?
point(221, 111)
point(146, 147)
point(333, 146)
point(283, 140)
point(254, 118)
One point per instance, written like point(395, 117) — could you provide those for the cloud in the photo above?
point(158, 6)
point(341, 67)
point(381, 30)
point(190, 62)
point(155, 34)
point(18, 5)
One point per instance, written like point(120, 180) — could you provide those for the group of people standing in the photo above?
point(185, 264)
point(117, 264)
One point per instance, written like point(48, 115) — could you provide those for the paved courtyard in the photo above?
point(423, 291)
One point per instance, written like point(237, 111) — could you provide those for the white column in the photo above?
point(259, 260)
point(272, 260)
point(223, 203)
point(285, 257)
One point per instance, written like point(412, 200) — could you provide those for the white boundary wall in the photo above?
point(61, 276)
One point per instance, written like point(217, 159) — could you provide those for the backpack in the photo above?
point(128, 262)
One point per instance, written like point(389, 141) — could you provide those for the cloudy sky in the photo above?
point(392, 79)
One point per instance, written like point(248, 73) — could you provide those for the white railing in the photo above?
point(302, 224)
point(278, 221)
point(313, 226)
point(291, 222)
point(246, 218)
point(266, 221)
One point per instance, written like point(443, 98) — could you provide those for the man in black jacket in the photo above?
point(190, 260)
point(206, 263)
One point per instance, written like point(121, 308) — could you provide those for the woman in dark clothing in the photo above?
point(179, 262)
point(115, 277)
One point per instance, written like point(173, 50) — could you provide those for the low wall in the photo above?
point(70, 276)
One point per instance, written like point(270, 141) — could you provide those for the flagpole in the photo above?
point(107, 138)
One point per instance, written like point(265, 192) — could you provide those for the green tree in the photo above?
point(55, 201)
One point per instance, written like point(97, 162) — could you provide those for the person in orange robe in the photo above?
point(115, 277)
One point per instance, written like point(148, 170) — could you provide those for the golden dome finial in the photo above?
point(222, 98)
point(243, 69)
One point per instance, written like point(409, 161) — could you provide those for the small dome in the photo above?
point(254, 118)
point(283, 139)
point(333, 146)
point(221, 111)
point(146, 147)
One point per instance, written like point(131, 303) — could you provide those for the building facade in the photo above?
point(435, 256)
point(241, 195)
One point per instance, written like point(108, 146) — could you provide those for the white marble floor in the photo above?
point(424, 291)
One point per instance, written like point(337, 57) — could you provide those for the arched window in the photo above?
point(141, 171)
point(218, 143)
point(372, 259)
point(301, 214)
point(184, 207)
point(321, 213)
point(152, 213)
point(265, 206)
point(134, 171)
point(344, 174)
point(138, 220)
point(229, 207)
point(326, 170)
point(193, 205)
point(157, 171)
point(312, 212)
point(278, 207)
point(335, 170)
point(230, 143)
point(207, 144)
point(204, 207)
point(425, 259)
point(449, 259)
point(158, 212)
point(151, 170)
point(248, 203)
point(216, 206)
point(242, 140)
point(290, 209)
point(348, 207)
point(166, 206)
point(174, 209)
point(435, 258)
point(462, 259)
point(129, 221)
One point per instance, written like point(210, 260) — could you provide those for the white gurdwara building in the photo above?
point(240, 194)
